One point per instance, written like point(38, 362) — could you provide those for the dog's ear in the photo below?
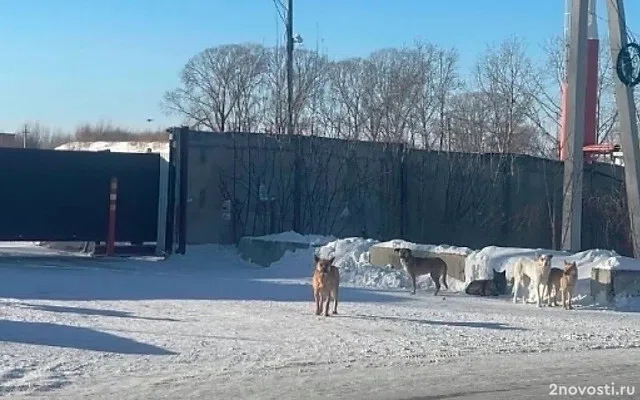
point(331, 260)
point(396, 250)
point(316, 258)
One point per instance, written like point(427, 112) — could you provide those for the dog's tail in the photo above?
point(444, 276)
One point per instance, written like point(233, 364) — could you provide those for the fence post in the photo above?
point(113, 199)
point(403, 189)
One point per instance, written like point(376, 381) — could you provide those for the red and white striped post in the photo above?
point(113, 199)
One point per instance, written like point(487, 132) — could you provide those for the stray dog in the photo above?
point(536, 270)
point(568, 283)
point(553, 285)
point(563, 281)
point(415, 266)
point(326, 282)
point(488, 287)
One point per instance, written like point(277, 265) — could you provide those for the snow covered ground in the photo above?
point(118, 147)
point(210, 325)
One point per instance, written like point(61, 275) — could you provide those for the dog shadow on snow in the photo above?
point(465, 324)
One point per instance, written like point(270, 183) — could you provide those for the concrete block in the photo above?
point(609, 283)
point(383, 256)
point(265, 252)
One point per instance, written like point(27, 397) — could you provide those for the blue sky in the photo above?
point(66, 62)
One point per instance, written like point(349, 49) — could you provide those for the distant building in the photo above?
point(8, 140)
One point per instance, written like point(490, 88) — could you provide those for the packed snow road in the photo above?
point(226, 329)
point(611, 373)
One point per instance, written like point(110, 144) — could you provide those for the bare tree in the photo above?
point(504, 76)
point(468, 124)
point(310, 74)
point(342, 112)
point(219, 86)
point(547, 107)
point(39, 136)
point(392, 85)
point(438, 69)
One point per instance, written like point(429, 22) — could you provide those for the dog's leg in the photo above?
point(413, 283)
point(335, 300)
point(516, 286)
point(436, 281)
point(570, 295)
point(444, 279)
point(568, 298)
point(538, 295)
point(316, 297)
point(326, 304)
point(564, 302)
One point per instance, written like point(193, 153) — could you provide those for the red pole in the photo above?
point(113, 198)
point(563, 122)
point(591, 101)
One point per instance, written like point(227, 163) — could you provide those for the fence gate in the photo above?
point(53, 195)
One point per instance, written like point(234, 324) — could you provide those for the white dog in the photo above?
point(537, 271)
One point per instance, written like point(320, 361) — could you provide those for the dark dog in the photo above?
point(489, 287)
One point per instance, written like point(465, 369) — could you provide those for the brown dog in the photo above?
point(326, 283)
point(553, 286)
point(415, 266)
point(568, 283)
point(562, 281)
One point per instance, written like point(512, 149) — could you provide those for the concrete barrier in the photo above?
point(382, 256)
point(607, 283)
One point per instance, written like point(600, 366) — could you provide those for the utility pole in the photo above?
point(297, 198)
point(628, 122)
point(290, 68)
point(24, 136)
point(575, 124)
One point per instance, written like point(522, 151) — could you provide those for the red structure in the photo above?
point(591, 147)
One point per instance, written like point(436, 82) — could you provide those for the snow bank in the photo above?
point(619, 263)
point(295, 237)
point(117, 147)
point(480, 264)
point(443, 248)
point(352, 257)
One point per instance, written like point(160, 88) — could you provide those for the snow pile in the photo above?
point(34, 249)
point(295, 237)
point(481, 264)
point(352, 257)
point(117, 147)
point(619, 263)
point(428, 248)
